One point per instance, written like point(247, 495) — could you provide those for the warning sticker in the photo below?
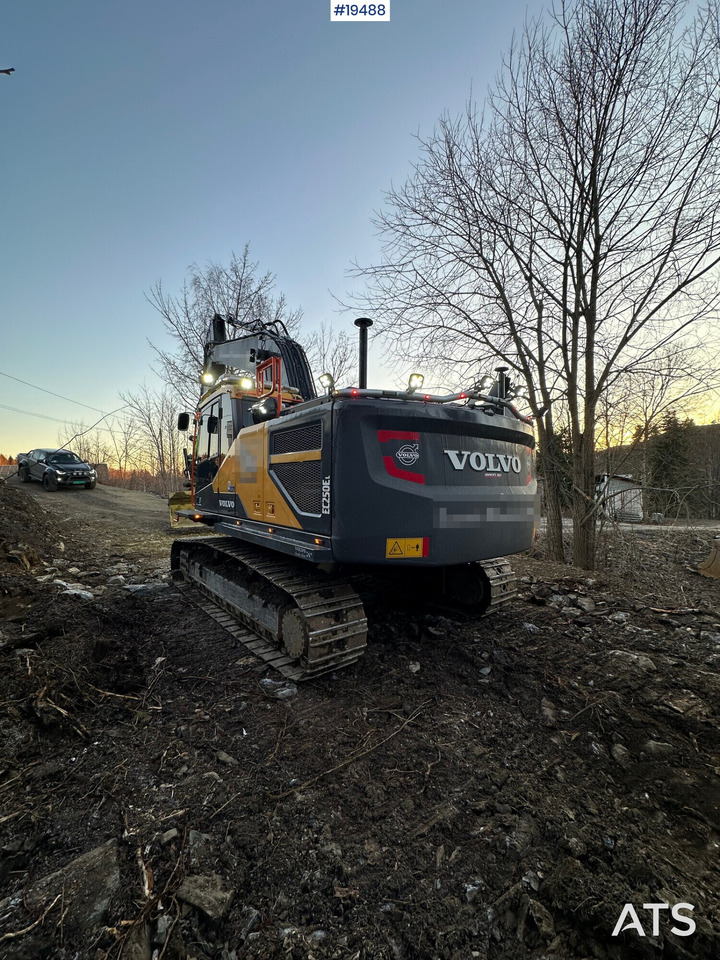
point(404, 547)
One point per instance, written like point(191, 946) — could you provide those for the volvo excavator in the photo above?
point(307, 495)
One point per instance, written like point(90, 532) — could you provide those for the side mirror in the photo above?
point(183, 421)
point(212, 425)
point(265, 409)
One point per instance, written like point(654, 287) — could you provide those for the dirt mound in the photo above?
point(498, 788)
point(27, 533)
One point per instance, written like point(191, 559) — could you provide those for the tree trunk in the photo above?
point(552, 478)
point(583, 503)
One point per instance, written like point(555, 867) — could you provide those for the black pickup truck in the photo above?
point(55, 468)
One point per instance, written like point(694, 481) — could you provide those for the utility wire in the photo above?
point(26, 413)
point(58, 395)
point(82, 433)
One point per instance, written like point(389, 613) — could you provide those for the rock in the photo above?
point(137, 945)
point(657, 748)
point(227, 759)
point(557, 600)
point(621, 754)
point(543, 920)
point(201, 852)
point(618, 617)
point(576, 847)
point(635, 659)
point(531, 628)
point(472, 890)
point(278, 689)
point(547, 708)
point(207, 893)
point(250, 918)
point(80, 594)
point(169, 836)
point(117, 579)
point(570, 613)
point(163, 928)
point(587, 604)
point(414, 667)
point(87, 885)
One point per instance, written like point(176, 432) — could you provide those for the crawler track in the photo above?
point(301, 622)
point(501, 581)
point(298, 620)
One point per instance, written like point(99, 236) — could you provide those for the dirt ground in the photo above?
point(497, 788)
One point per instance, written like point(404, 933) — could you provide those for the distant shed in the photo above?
point(620, 497)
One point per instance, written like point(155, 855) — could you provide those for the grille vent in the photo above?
point(303, 482)
point(299, 439)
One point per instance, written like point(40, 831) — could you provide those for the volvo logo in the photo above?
point(492, 462)
point(408, 454)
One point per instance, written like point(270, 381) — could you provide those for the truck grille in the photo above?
point(298, 439)
point(303, 482)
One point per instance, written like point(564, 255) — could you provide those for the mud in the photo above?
point(497, 788)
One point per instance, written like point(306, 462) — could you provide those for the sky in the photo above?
point(138, 138)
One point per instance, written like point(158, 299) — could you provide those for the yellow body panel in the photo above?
point(244, 472)
point(302, 456)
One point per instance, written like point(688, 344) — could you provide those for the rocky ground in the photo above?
point(498, 788)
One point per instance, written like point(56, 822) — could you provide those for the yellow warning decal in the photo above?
point(403, 547)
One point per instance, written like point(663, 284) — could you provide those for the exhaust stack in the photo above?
point(363, 323)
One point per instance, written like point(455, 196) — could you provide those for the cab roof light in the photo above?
point(415, 382)
point(326, 379)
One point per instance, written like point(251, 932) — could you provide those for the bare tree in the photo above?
point(635, 402)
point(126, 440)
point(331, 351)
point(89, 443)
point(237, 290)
point(574, 231)
point(154, 414)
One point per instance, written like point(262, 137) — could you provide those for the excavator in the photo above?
point(305, 496)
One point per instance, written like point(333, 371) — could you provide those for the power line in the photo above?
point(58, 395)
point(42, 416)
point(26, 413)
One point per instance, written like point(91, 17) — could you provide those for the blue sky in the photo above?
point(139, 137)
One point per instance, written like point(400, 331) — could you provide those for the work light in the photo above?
point(327, 381)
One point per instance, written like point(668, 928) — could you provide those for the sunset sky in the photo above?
point(138, 138)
